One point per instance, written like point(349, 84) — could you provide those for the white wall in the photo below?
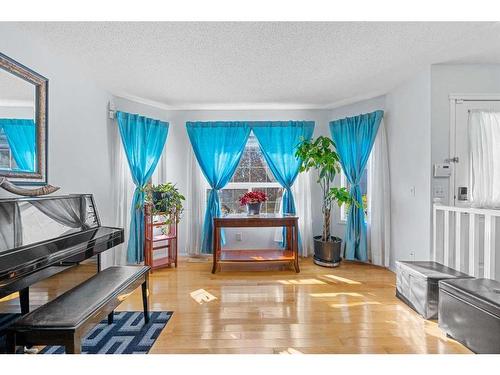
point(17, 112)
point(453, 79)
point(408, 122)
point(78, 130)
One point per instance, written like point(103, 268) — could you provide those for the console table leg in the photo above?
point(289, 240)
point(296, 248)
point(215, 249)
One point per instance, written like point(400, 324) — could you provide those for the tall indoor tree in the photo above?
point(319, 154)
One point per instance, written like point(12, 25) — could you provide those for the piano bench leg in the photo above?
point(11, 342)
point(24, 300)
point(110, 317)
point(73, 346)
point(145, 292)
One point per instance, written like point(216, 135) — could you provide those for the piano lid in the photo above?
point(27, 221)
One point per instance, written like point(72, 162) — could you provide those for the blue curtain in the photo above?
point(20, 135)
point(143, 140)
point(354, 137)
point(278, 141)
point(218, 147)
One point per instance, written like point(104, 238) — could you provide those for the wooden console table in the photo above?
point(288, 255)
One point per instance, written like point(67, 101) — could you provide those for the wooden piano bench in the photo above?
point(66, 319)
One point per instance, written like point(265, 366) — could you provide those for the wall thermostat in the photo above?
point(442, 170)
point(462, 193)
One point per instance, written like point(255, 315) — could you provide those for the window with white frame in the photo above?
point(6, 159)
point(364, 192)
point(252, 174)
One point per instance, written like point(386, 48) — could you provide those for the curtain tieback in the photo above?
point(354, 186)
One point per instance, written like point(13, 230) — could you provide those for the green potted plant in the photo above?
point(320, 155)
point(166, 200)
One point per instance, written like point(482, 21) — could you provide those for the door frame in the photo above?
point(454, 99)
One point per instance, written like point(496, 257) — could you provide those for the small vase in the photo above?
point(254, 208)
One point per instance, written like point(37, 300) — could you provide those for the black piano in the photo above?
point(42, 236)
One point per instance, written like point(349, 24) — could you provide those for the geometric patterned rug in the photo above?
point(127, 334)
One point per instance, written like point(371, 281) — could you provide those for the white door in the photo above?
point(459, 150)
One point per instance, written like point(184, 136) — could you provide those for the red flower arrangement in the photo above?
point(253, 197)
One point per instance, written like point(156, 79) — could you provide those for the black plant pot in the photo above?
point(327, 253)
point(158, 202)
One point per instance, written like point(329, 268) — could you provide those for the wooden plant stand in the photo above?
point(168, 240)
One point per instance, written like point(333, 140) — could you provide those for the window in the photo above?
point(6, 159)
point(252, 173)
point(484, 159)
point(364, 191)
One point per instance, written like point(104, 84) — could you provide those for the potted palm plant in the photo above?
point(320, 155)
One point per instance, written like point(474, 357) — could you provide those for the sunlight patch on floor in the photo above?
point(302, 282)
point(353, 304)
point(123, 297)
point(291, 351)
point(202, 296)
point(10, 297)
point(342, 279)
point(328, 295)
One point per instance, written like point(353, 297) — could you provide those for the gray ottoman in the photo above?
point(417, 285)
point(469, 312)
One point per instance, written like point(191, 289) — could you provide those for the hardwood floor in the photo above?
point(350, 309)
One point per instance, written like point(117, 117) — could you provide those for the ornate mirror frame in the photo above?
point(41, 119)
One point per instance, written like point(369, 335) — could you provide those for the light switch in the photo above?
point(412, 191)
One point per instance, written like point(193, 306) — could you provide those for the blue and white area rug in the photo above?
point(127, 334)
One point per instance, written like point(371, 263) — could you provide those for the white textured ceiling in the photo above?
point(229, 65)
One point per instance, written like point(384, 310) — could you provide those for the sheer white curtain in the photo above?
point(379, 210)
point(195, 205)
point(484, 148)
point(301, 190)
point(123, 192)
point(160, 174)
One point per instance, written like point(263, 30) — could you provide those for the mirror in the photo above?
point(23, 123)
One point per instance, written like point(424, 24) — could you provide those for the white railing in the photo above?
point(467, 239)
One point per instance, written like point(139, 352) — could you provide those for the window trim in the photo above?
point(251, 185)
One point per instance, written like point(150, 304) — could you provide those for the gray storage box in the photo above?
point(417, 285)
point(469, 312)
